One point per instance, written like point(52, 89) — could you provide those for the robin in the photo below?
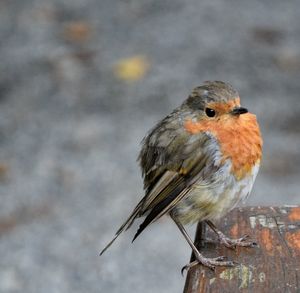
point(198, 163)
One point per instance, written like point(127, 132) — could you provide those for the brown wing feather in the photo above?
point(170, 160)
point(192, 160)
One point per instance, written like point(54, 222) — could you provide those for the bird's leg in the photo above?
point(209, 262)
point(231, 243)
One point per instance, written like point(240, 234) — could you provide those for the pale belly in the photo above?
point(212, 201)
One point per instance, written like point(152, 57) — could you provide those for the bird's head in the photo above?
point(215, 100)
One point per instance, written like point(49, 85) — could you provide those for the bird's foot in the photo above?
point(233, 243)
point(209, 262)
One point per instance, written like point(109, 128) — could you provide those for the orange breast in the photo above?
point(239, 138)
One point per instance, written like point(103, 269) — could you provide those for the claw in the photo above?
point(188, 266)
point(209, 262)
point(185, 268)
point(233, 243)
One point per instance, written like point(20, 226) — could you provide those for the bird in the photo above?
point(198, 163)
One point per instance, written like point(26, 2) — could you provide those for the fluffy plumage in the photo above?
point(188, 170)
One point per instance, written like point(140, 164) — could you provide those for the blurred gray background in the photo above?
point(81, 81)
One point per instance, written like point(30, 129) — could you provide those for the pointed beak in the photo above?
point(239, 111)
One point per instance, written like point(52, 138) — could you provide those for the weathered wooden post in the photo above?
point(274, 266)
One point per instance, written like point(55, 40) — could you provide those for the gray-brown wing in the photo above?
point(170, 171)
point(171, 160)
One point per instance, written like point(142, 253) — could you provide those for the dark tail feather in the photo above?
point(142, 227)
point(158, 210)
point(125, 226)
point(110, 243)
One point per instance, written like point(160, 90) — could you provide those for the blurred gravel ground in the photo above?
point(72, 117)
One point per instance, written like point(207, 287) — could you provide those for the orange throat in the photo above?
point(239, 139)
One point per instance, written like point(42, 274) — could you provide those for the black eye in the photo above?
point(210, 112)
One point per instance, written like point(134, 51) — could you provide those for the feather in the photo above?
point(168, 169)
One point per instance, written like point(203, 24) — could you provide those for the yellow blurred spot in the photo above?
point(131, 69)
